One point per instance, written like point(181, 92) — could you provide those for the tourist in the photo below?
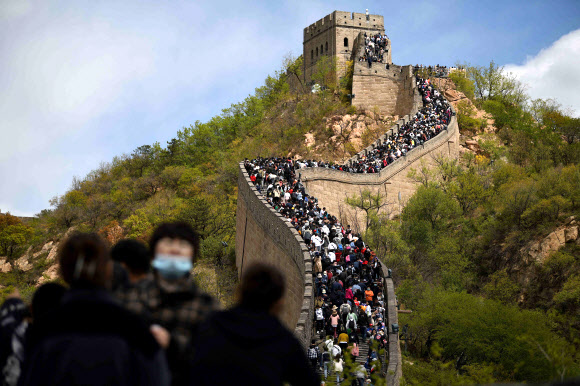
point(173, 305)
point(248, 345)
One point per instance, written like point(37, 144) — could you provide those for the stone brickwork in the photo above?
point(334, 35)
point(332, 187)
point(390, 88)
point(263, 235)
point(391, 91)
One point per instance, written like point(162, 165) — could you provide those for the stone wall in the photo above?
point(263, 235)
point(391, 90)
point(395, 367)
point(332, 187)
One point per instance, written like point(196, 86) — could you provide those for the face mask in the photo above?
point(171, 267)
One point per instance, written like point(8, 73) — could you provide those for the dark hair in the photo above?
point(83, 260)
point(134, 254)
point(46, 299)
point(176, 230)
point(261, 286)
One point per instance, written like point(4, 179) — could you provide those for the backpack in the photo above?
point(351, 324)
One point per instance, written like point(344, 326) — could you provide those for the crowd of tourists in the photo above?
point(134, 316)
point(348, 281)
point(348, 287)
point(375, 49)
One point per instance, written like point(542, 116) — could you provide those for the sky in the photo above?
point(84, 81)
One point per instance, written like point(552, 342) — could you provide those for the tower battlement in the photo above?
point(345, 19)
point(334, 35)
point(341, 36)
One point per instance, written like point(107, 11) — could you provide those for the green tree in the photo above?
point(325, 72)
point(68, 208)
point(293, 66)
point(474, 331)
point(369, 202)
point(12, 234)
point(431, 205)
point(469, 190)
point(501, 287)
point(490, 82)
point(384, 237)
point(463, 83)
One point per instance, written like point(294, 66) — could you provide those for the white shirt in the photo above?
point(331, 256)
point(316, 240)
point(336, 350)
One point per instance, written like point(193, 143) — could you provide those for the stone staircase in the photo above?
point(361, 359)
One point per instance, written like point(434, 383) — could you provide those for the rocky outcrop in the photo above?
point(5, 266)
point(23, 262)
point(351, 129)
point(571, 234)
point(49, 275)
point(45, 248)
point(538, 251)
point(52, 253)
point(473, 145)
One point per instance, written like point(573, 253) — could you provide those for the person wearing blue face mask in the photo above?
point(172, 303)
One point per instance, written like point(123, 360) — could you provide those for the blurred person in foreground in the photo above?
point(89, 339)
point(135, 260)
point(16, 325)
point(248, 345)
point(169, 300)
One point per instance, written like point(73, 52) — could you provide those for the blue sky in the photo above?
point(83, 81)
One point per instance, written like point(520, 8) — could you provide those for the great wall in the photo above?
point(264, 235)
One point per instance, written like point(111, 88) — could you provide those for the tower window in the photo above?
point(312, 54)
point(316, 51)
point(326, 47)
point(321, 51)
point(346, 42)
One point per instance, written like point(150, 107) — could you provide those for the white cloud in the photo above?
point(554, 72)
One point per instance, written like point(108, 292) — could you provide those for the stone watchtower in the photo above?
point(334, 35)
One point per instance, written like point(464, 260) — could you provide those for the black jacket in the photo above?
point(91, 340)
point(243, 347)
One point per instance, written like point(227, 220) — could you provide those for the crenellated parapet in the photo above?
point(263, 235)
